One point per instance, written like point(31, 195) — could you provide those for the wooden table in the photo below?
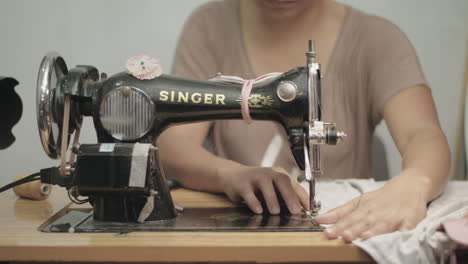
point(21, 241)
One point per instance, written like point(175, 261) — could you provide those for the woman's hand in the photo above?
point(243, 183)
point(398, 206)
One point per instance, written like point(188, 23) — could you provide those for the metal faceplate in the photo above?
point(127, 113)
point(51, 71)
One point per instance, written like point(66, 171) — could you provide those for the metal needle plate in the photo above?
point(237, 219)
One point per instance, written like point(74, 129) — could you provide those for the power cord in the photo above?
point(48, 175)
point(33, 177)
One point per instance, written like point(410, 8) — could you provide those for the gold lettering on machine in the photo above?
point(191, 98)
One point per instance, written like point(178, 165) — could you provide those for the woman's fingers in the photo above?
point(302, 195)
point(371, 215)
point(378, 229)
point(268, 191)
point(269, 182)
point(355, 231)
point(350, 227)
point(285, 187)
point(252, 201)
point(334, 215)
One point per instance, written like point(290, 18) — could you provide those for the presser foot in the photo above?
point(315, 207)
point(306, 216)
point(314, 210)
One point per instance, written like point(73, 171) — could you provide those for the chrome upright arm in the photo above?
point(318, 132)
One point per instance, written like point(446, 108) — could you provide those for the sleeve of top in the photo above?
point(392, 65)
point(195, 56)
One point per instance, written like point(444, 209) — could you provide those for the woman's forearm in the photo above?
point(184, 158)
point(196, 169)
point(426, 156)
point(411, 117)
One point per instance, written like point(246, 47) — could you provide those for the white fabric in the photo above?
point(272, 151)
point(421, 245)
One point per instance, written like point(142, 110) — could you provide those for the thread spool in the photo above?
point(34, 190)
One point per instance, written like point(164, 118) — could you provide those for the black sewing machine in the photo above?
point(121, 174)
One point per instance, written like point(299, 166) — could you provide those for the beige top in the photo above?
point(372, 60)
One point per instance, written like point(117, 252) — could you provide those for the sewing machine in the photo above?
point(121, 174)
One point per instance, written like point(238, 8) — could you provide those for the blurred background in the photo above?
point(105, 33)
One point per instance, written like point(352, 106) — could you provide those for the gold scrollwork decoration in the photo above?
point(258, 101)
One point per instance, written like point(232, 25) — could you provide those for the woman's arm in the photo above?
point(415, 128)
point(185, 159)
point(401, 203)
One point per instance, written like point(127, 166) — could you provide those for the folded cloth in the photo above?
point(424, 244)
point(333, 193)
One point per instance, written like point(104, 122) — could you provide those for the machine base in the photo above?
point(232, 219)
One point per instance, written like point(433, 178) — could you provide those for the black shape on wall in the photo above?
point(11, 109)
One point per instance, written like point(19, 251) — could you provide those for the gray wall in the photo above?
point(105, 33)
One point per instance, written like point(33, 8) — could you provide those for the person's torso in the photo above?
point(344, 102)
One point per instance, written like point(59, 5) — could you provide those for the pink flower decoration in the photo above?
point(144, 67)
